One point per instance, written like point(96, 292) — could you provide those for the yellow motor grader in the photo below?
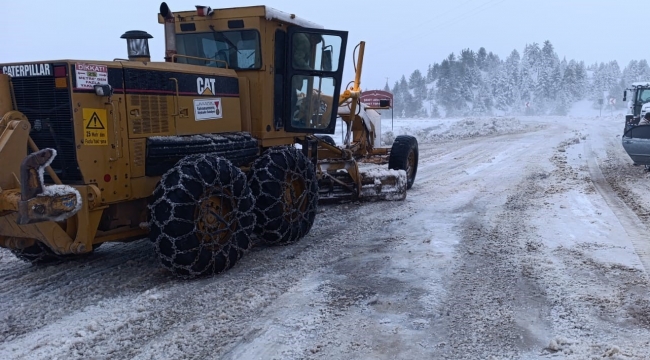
point(222, 145)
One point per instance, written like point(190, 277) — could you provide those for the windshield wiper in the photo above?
point(215, 32)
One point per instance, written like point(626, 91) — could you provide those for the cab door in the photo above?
point(313, 72)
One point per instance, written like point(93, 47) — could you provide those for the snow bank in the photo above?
point(436, 130)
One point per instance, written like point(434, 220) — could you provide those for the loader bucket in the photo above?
point(636, 142)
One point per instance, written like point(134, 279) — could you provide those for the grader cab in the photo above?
point(206, 153)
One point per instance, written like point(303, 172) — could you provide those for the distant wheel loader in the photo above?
point(223, 145)
point(636, 134)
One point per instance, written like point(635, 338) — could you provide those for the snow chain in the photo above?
point(284, 184)
point(201, 216)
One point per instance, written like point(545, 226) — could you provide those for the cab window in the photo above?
point(239, 50)
point(644, 95)
point(315, 61)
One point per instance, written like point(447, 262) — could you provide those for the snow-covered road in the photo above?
point(521, 238)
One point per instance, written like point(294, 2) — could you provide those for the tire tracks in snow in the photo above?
point(634, 227)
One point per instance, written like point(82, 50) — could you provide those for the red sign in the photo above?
point(90, 67)
point(372, 97)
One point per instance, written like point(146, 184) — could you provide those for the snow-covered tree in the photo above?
point(512, 83)
point(417, 83)
point(535, 81)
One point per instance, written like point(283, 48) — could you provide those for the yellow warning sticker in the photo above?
point(95, 129)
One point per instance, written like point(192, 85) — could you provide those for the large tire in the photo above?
point(201, 216)
point(283, 181)
point(40, 253)
point(404, 155)
point(37, 254)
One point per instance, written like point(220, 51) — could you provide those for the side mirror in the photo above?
point(327, 60)
point(384, 103)
point(625, 95)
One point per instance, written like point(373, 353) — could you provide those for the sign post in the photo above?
point(600, 102)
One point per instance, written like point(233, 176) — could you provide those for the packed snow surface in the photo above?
point(522, 238)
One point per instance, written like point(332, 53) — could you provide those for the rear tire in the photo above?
point(284, 184)
point(37, 254)
point(201, 217)
point(404, 155)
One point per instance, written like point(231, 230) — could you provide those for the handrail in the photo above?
point(198, 58)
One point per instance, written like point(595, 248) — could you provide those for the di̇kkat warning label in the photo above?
point(207, 109)
point(95, 127)
point(89, 75)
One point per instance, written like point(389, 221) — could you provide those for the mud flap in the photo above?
point(39, 202)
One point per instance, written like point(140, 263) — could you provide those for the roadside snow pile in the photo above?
point(461, 129)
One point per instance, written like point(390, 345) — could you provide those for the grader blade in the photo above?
point(341, 180)
point(382, 184)
point(338, 181)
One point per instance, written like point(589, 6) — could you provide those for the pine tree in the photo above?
point(398, 99)
point(636, 71)
point(563, 103)
point(512, 77)
point(548, 73)
point(417, 83)
point(500, 89)
point(582, 81)
point(480, 82)
point(410, 107)
point(483, 102)
point(481, 59)
point(435, 113)
point(643, 70)
point(432, 73)
point(528, 77)
point(448, 92)
point(570, 82)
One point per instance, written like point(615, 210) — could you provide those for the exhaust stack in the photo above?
point(137, 45)
point(170, 31)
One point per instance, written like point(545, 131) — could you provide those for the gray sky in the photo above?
point(399, 37)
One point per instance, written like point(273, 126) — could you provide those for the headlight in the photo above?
point(103, 90)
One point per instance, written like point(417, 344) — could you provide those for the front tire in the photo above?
point(284, 184)
point(38, 254)
point(404, 155)
point(201, 217)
